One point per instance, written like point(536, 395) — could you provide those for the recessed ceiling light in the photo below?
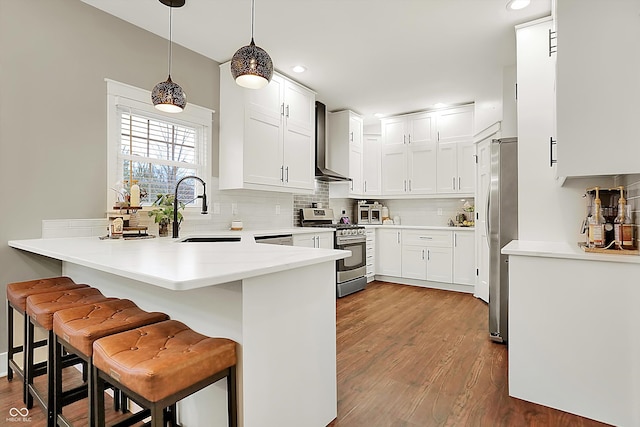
point(379, 115)
point(517, 4)
point(299, 69)
point(439, 105)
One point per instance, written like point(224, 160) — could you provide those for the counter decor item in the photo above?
point(162, 213)
point(236, 225)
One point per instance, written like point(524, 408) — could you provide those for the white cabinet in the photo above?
point(409, 154)
point(267, 136)
point(345, 149)
point(389, 252)
point(322, 240)
point(456, 151)
point(483, 178)
point(371, 165)
point(598, 64)
point(426, 255)
point(371, 254)
point(464, 258)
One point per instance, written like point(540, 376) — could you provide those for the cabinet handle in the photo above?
point(282, 173)
point(428, 255)
point(409, 138)
point(423, 254)
point(398, 233)
point(351, 185)
point(552, 142)
point(409, 185)
point(553, 46)
point(282, 109)
point(454, 182)
point(287, 174)
point(287, 110)
point(459, 186)
point(351, 136)
point(455, 240)
point(405, 185)
point(404, 139)
point(365, 186)
point(426, 237)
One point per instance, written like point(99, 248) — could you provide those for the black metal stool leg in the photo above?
point(10, 349)
point(28, 361)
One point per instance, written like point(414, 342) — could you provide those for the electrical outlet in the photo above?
point(440, 211)
point(277, 209)
point(216, 208)
point(234, 208)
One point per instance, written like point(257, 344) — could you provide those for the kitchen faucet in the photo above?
point(175, 202)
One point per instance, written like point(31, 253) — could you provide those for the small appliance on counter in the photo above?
point(368, 212)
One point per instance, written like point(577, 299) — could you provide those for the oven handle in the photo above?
point(348, 240)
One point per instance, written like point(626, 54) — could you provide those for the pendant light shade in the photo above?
point(251, 66)
point(168, 96)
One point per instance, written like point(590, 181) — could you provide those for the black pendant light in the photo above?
point(168, 96)
point(251, 66)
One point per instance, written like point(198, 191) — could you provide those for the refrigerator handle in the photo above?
point(487, 218)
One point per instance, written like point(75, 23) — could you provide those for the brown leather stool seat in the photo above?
point(17, 294)
point(77, 328)
point(40, 310)
point(158, 365)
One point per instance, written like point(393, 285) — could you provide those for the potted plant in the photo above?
point(163, 212)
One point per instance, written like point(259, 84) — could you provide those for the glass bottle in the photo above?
point(596, 223)
point(624, 228)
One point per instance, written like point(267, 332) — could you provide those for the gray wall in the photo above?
point(54, 56)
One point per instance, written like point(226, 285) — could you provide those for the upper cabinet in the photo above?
point(345, 149)
point(409, 154)
point(429, 153)
point(371, 165)
point(598, 64)
point(267, 136)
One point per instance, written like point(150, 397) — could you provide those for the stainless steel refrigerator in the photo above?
point(502, 224)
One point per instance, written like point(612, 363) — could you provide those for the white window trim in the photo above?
point(124, 96)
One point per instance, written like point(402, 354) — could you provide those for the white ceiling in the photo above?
point(370, 56)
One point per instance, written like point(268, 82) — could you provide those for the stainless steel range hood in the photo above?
point(322, 172)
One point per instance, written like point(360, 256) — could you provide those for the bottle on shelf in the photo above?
point(596, 223)
point(624, 228)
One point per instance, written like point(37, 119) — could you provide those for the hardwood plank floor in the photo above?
point(410, 356)
point(407, 357)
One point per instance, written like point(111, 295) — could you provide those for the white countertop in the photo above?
point(562, 250)
point(175, 265)
point(420, 227)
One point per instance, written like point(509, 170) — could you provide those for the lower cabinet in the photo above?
point(389, 252)
point(371, 254)
point(314, 240)
point(430, 255)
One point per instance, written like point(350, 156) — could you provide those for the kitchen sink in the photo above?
point(210, 239)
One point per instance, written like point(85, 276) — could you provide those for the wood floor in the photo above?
point(407, 357)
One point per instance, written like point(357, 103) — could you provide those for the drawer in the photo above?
point(433, 238)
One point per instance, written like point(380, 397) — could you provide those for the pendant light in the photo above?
point(251, 66)
point(168, 96)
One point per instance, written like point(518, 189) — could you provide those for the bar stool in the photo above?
point(40, 310)
point(17, 294)
point(161, 364)
point(76, 329)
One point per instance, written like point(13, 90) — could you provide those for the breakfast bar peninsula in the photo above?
point(277, 302)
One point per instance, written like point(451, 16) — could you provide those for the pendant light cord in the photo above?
point(253, 16)
point(170, 35)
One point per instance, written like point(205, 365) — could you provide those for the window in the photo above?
point(155, 148)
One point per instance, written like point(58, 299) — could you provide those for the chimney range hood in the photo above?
point(322, 172)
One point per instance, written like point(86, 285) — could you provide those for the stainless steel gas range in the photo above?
point(350, 271)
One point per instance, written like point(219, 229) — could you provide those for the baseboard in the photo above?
point(3, 364)
point(468, 289)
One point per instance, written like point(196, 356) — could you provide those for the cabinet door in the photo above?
point(389, 253)
point(422, 168)
point(447, 167)
point(466, 158)
point(355, 169)
point(299, 108)
point(263, 135)
point(464, 258)
point(371, 165)
point(439, 265)
point(414, 262)
point(598, 65)
point(305, 240)
point(394, 172)
point(355, 130)
point(299, 135)
point(394, 131)
point(421, 128)
point(482, 239)
point(455, 123)
point(325, 240)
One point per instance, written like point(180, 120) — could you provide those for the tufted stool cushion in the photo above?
point(162, 359)
point(41, 307)
point(18, 292)
point(81, 326)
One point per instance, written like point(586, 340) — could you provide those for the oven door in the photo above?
point(352, 266)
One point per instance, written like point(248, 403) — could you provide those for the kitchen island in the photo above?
point(574, 330)
point(277, 302)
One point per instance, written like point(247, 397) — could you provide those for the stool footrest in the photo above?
point(73, 395)
point(134, 418)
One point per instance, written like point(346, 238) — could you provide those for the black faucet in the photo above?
point(175, 202)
